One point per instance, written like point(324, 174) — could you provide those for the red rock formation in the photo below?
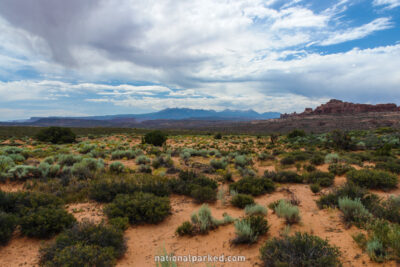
point(335, 106)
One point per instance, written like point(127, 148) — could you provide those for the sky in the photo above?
point(98, 57)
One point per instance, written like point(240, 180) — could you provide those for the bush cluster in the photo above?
point(201, 188)
point(56, 135)
point(372, 179)
point(242, 200)
point(324, 179)
point(249, 229)
point(155, 138)
point(139, 208)
point(253, 186)
point(299, 250)
point(85, 244)
point(287, 211)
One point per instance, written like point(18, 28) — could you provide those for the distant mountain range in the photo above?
point(143, 120)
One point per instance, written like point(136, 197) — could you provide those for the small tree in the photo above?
point(56, 135)
point(156, 138)
point(274, 138)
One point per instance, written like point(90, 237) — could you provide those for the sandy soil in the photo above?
point(147, 241)
point(90, 211)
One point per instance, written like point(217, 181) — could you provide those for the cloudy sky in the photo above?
point(98, 57)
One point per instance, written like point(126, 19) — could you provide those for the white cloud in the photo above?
point(358, 32)
point(390, 4)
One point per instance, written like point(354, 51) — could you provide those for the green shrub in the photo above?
point(156, 138)
point(162, 161)
point(242, 161)
point(390, 165)
point(129, 154)
point(6, 163)
point(354, 211)
point(341, 140)
point(56, 135)
point(372, 179)
point(299, 250)
point(24, 172)
point(286, 210)
point(117, 167)
point(315, 188)
point(203, 194)
point(255, 209)
point(218, 136)
point(8, 223)
point(203, 221)
point(68, 159)
point(142, 159)
point(45, 222)
point(105, 190)
point(85, 244)
point(289, 160)
point(296, 133)
point(332, 158)
point(119, 223)
point(219, 164)
point(347, 190)
point(143, 168)
point(242, 200)
point(139, 208)
point(339, 168)
point(286, 177)
point(317, 159)
point(324, 179)
point(87, 168)
point(185, 229)
point(253, 186)
point(249, 229)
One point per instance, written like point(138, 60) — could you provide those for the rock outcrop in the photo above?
point(335, 106)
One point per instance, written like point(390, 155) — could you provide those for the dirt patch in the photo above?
point(91, 211)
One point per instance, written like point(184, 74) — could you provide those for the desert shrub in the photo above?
point(56, 135)
point(296, 133)
point(45, 222)
point(249, 229)
point(332, 158)
point(299, 250)
point(242, 161)
point(117, 167)
point(85, 244)
point(253, 186)
point(242, 200)
point(315, 188)
point(324, 179)
point(288, 160)
point(388, 209)
point(287, 177)
point(6, 163)
point(143, 168)
point(201, 188)
point(317, 159)
point(255, 209)
point(87, 168)
point(142, 159)
point(218, 136)
point(347, 190)
point(339, 168)
point(105, 190)
point(309, 168)
point(68, 159)
point(156, 138)
point(372, 179)
point(203, 194)
point(185, 229)
point(24, 172)
point(129, 154)
point(354, 211)
point(286, 210)
point(203, 221)
point(8, 223)
point(340, 140)
point(219, 164)
point(139, 208)
point(264, 156)
point(121, 223)
point(162, 161)
point(390, 165)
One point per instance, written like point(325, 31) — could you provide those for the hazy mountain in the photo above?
point(182, 114)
